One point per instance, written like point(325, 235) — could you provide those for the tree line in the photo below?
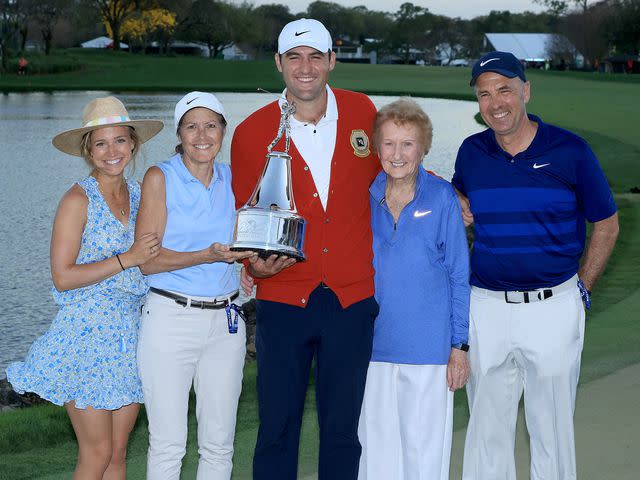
point(596, 28)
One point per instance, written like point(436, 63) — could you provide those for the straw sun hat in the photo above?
point(104, 112)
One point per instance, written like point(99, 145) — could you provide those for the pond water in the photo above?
point(35, 175)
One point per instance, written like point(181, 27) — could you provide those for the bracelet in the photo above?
point(120, 262)
point(585, 294)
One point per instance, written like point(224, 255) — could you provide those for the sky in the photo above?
point(451, 8)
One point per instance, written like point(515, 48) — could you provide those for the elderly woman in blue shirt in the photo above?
point(422, 286)
point(190, 334)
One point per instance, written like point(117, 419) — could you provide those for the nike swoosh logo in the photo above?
point(482, 64)
point(193, 99)
point(297, 34)
point(419, 214)
point(536, 166)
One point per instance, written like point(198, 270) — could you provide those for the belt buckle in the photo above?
point(525, 297)
point(181, 301)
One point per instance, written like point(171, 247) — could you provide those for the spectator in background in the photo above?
point(22, 66)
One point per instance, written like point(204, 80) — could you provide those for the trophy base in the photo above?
point(269, 232)
point(266, 253)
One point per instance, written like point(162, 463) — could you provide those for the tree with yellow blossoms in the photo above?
point(141, 26)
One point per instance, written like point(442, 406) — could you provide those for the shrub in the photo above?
point(41, 64)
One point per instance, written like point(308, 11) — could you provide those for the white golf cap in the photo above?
point(305, 32)
point(194, 100)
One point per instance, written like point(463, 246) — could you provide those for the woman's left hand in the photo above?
point(457, 369)
point(218, 252)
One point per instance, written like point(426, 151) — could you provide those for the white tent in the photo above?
point(101, 42)
point(234, 52)
point(530, 47)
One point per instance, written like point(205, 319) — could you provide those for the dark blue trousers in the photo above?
point(287, 339)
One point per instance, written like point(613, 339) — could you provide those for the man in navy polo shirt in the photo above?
point(528, 187)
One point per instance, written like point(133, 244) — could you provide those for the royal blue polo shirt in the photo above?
point(530, 209)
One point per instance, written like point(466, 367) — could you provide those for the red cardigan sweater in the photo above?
point(338, 241)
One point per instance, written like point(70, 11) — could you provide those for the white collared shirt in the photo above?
point(316, 144)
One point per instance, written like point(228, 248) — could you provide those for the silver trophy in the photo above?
point(269, 223)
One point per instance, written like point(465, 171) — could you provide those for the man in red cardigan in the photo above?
point(323, 307)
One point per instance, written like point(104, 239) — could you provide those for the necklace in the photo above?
point(123, 212)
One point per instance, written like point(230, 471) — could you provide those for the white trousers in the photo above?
point(535, 348)
point(178, 347)
point(406, 423)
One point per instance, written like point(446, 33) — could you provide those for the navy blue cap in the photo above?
point(504, 63)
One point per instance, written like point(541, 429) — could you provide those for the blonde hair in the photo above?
point(404, 111)
point(85, 146)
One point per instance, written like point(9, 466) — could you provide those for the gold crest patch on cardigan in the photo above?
point(360, 143)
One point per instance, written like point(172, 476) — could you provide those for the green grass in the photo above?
point(38, 443)
point(120, 71)
point(41, 64)
point(613, 331)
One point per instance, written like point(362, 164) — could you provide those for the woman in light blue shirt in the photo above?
point(190, 333)
point(422, 286)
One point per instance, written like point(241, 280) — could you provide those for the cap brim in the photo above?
point(317, 47)
point(70, 141)
point(504, 73)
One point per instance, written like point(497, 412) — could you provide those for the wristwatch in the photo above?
point(461, 346)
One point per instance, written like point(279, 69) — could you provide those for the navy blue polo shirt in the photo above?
point(530, 210)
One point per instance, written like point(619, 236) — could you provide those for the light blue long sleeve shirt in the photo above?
point(421, 274)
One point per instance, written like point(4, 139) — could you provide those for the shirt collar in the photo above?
point(538, 143)
point(186, 176)
point(379, 184)
point(377, 187)
point(329, 116)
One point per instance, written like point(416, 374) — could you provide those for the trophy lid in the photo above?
point(278, 155)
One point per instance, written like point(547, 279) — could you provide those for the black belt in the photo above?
point(519, 296)
point(184, 301)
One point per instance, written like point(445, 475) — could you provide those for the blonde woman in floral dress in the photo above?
point(86, 360)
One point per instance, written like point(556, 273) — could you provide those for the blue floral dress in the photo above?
point(88, 354)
